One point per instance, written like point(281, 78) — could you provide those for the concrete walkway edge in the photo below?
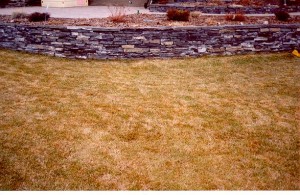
point(93, 11)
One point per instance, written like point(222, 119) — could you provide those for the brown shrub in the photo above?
point(245, 2)
point(117, 14)
point(216, 2)
point(282, 15)
point(38, 17)
point(117, 19)
point(3, 3)
point(163, 1)
point(235, 17)
point(178, 15)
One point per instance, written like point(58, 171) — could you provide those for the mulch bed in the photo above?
point(257, 4)
point(252, 3)
point(151, 20)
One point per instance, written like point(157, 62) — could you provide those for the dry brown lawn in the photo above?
point(183, 124)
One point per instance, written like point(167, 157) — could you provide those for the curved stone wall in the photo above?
point(160, 42)
point(15, 3)
point(222, 9)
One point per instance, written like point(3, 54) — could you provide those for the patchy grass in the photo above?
point(206, 123)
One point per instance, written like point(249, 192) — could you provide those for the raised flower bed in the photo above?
point(223, 7)
point(143, 36)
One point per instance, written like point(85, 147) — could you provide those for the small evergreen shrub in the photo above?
point(3, 3)
point(235, 17)
point(38, 17)
point(178, 15)
point(163, 1)
point(33, 3)
point(282, 15)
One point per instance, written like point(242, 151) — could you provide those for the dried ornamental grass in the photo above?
point(118, 14)
point(19, 15)
point(195, 14)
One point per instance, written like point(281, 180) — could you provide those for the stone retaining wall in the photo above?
point(222, 9)
point(205, 1)
point(160, 42)
point(16, 3)
point(192, 1)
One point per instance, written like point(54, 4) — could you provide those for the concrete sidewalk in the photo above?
point(74, 12)
point(92, 11)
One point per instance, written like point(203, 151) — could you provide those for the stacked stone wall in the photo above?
point(158, 42)
point(16, 3)
point(223, 9)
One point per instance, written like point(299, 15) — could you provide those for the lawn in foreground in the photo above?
point(205, 123)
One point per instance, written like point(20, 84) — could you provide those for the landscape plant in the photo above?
point(163, 1)
point(19, 15)
point(235, 17)
point(245, 2)
point(3, 3)
point(178, 15)
point(118, 14)
point(195, 14)
point(38, 17)
point(33, 2)
point(282, 15)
